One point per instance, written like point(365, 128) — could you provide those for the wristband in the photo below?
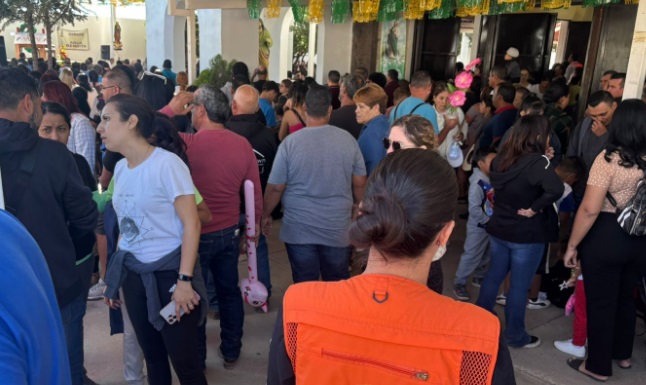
point(184, 277)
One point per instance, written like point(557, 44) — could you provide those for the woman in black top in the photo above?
point(525, 189)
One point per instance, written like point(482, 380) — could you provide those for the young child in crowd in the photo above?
point(476, 246)
point(570, 170)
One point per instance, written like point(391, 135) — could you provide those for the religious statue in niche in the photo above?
point(264, 45)
point(118, 45)
point(393, 46)
point(392, 49)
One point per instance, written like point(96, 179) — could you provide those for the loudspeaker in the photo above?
point(105, 52)
point(3, 53)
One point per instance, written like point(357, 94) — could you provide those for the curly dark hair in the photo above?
point(627, 136)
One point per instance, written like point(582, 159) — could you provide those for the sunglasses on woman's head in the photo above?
point(396, 145)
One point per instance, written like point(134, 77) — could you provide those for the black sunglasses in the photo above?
point(396, 145)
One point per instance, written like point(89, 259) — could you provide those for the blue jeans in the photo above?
point(262, 256)
point(218, 253)
point(310, 261)
point(210, 291)
point(264, 274)
point(262, 259)
point(72, 316)
point(521, 260)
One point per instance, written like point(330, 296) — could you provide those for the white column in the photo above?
point(278, 53)
point(635, 74)
point(311, 53)
point(164, 35)
point(113, 20)
point(240, 37)
point(191, 47)
point(210, 21)
point(334, 47)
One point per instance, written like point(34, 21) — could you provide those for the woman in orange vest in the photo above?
point(385, 326)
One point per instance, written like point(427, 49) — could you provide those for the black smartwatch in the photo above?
point(184, 277)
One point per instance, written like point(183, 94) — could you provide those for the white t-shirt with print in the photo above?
point(143, 200)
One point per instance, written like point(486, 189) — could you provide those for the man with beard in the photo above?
point(43, 189)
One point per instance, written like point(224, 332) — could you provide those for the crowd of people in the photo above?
point(129, 182)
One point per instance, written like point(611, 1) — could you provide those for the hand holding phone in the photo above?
point(168, 313)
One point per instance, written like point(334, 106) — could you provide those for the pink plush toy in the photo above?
point(253, 291)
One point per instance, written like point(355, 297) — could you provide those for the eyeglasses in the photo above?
point(396, 145)
point(108, 87)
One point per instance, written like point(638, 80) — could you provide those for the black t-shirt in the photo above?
point(261, 138)
point(281, 372)
point(345, 118)
point(110, 160)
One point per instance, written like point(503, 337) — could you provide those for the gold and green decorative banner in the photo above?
point(600, 3)
point(445, 10)
point(413, 10)
point(315, 11)
point(298, 10)
point(340, 11)
point(389, 10)
point(273, 9)
point(556, 4)
point(364, 11)
point(253, 8)
point(472, 7)
point(429, 5)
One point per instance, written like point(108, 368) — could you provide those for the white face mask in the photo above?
point(440, 253)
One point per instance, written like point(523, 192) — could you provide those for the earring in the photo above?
point(441, 250)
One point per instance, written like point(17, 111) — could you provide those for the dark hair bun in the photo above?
point(380, 223)
point(410, 196)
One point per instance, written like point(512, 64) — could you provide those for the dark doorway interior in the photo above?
point(436, 47)
point(532, 34)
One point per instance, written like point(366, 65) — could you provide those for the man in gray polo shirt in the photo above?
point(319, 175)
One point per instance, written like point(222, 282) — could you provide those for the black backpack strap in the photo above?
point(416, 107)
point(395, 113)
point(20, 184)
point(299, 117)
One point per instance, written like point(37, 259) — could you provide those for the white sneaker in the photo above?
point(501, 300)
point(569, 348)
point(96, 291)
point(538, 304)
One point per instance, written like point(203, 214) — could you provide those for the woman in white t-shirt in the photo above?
point(160, 229)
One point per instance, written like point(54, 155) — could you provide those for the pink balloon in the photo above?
point(253, 291)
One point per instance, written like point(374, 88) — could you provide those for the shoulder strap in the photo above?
point(416, 107)
point(395, 112)
point(20, 184)
point(299, 117)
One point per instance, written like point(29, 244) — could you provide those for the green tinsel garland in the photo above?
point(340, 11)
point(298, 10)
point(253, 8)
point(445, 10)
point(389, 10)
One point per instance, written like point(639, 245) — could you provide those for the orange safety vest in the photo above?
point(381, 329)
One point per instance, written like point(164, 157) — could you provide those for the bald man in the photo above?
point(244, 121)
